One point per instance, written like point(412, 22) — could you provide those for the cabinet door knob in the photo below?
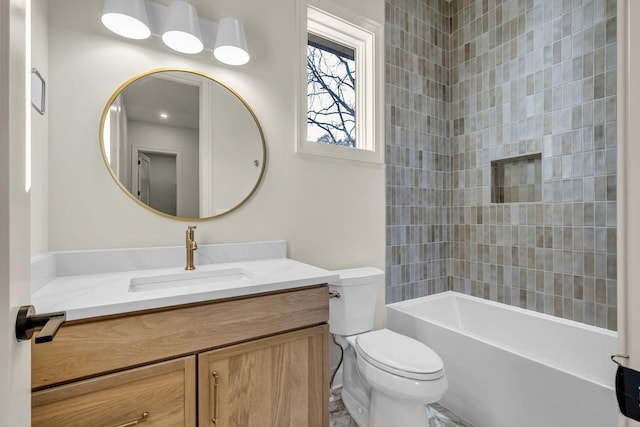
point(143, 417)
point(27, 321)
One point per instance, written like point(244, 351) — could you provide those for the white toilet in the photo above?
point(387, 378)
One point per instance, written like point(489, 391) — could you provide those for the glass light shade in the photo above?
point(127, 18)
point(231, 44)
point(182, 29)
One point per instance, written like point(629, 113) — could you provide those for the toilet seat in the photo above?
point(399, 355)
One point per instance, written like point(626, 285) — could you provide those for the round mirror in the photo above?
point(182, 144)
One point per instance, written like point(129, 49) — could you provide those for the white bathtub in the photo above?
point(509, 367)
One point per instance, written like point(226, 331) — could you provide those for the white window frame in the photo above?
point(347, 28)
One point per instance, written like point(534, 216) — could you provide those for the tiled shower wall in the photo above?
point(417, 154)
point(524, 77)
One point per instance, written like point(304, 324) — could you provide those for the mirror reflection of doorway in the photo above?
point(161, 170)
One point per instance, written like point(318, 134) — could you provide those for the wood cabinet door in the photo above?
point(272, 382)
point(163, 394)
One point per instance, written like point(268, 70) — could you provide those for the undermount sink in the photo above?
point(189, 278)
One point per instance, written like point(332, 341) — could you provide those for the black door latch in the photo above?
point(27, 321)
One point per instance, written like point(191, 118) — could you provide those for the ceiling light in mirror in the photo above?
point(182, 29)
point(127, 18)
point(231, 43)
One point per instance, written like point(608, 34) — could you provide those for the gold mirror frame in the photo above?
point(144, 205)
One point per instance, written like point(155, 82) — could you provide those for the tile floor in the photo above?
point(439, 416)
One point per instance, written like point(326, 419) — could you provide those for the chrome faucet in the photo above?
point(191, 246)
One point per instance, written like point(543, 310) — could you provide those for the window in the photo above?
point(331, 92)
point(340, 103)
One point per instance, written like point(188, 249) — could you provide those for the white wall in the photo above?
point(331, 213)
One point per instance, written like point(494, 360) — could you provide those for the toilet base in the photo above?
point(386, 411)
point(358, 412)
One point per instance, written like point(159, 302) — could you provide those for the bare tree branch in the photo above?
point(331, 96)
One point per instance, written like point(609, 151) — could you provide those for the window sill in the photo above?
point(338, 152)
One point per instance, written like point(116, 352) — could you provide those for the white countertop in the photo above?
point(93, 295)
point(100, 294)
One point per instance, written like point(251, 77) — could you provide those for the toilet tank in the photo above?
point(354, 311)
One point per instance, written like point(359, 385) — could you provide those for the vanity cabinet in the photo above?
point(269, 353)
point(276, 381)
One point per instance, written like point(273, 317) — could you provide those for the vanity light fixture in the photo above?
point(182, 29)
point(231, 44)
point(127, 18)
point(179, 27)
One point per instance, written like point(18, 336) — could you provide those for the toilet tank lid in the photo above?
point(358, 276)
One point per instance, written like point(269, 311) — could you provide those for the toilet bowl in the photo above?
point(387, 378)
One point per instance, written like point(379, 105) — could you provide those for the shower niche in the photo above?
point(517, 179)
